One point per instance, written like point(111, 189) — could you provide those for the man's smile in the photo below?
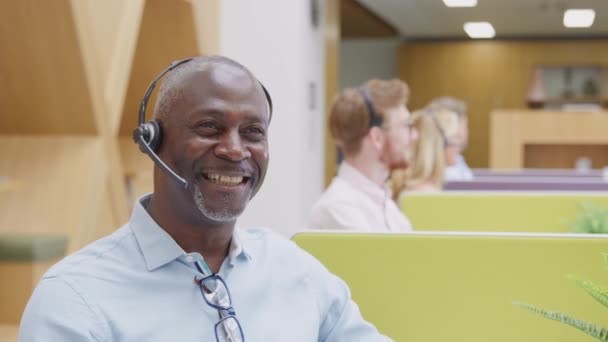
point(226, 179)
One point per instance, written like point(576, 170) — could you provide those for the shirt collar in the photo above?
point(158, 247)
point(237, 248)
point(358, 180)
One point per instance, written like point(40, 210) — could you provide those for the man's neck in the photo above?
point(210, 239)
point(375, 171)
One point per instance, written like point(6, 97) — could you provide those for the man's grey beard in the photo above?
point(222, 215)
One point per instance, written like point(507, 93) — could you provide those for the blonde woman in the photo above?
point(439, 143)
point(460, 171)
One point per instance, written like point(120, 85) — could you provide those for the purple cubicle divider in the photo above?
point(529, 184)
point(487, 173)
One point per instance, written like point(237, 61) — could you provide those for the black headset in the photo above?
point(148, 135)
point(437, 124)
point(374, 119)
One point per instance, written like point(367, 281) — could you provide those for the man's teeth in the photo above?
point(225, 180)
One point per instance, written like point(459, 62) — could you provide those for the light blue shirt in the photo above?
point(460, 171)
point(138, 285)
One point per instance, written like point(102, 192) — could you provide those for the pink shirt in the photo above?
point(353, 202)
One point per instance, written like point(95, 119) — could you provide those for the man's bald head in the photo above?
point(171, 89)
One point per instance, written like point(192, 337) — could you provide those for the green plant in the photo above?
point(598, 293)
point(592, 219)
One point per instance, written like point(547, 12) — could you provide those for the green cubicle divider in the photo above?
point(497, 212)
point(438, 287)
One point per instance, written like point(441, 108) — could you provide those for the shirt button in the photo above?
point(189, 258)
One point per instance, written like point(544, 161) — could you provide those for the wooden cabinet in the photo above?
point(547, 139)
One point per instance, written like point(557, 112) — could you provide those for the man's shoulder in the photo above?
point(260, 237)
point(338, 194)
point(268, 245)
point(95, 256)
point(338, 186)
point(340, 207)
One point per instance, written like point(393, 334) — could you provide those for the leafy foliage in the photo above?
point(598, 293)
point(592, 219)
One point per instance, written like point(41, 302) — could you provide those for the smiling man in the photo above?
point(178, 270)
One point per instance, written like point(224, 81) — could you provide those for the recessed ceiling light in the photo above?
point(460, 3)
point(481, 29)
point(579, 17)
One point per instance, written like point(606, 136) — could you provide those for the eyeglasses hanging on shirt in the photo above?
point(216, 295)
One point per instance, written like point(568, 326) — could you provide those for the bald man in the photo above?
point(178, 270)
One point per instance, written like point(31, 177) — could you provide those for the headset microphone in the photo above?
point(148, 135)
point(160, 163)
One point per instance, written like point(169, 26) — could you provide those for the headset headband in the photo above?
point(374, 119)
point(175, 64)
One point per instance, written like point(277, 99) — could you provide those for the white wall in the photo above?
point(276, 40)
point(362, 59)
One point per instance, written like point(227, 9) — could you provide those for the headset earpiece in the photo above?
point(151, 134)
point(155, 134)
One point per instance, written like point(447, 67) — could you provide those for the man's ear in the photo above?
point(376, 137)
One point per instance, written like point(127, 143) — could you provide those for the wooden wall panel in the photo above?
point(560, 156)
point(488, 75)
point(43, 87)
point(72, 73)
point(138, 170)
point(61, 180)
point(104, 221)
point(140, 184)
point(133, 159)
point(167, 33)
point(108, 33)
point(15, 293)
point(8, 332)
point(357, 21)
point(103, 19)
point(207, 14)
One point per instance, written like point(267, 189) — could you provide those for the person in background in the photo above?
point(437, 148)
point(460, 171)
point(371, 127)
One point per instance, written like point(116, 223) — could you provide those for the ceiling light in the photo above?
point(482, 29)
point(579, 17)
point(460, 3)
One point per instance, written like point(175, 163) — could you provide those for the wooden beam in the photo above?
point(167, 33)
point(358, 21)
point(103, 30)
point(43, 85)
point(61, 183)
point(332, 69)
point(207, 24)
